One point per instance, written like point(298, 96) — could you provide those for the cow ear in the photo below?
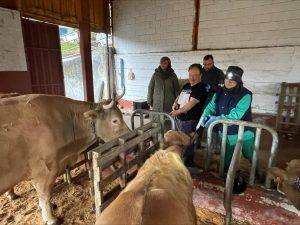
point(90, 115)
point(164, 144)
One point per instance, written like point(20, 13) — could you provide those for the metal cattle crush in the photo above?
point(237, 155)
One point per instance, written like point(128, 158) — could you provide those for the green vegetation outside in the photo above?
point(69, 48)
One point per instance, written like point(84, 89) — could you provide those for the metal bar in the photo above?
point(141, 119)
point(209, 148)
point(237, 155)
point(273, 154)
point(67, 176)
point(255, 156)
point(151, 112)
point(162, 124)
point(230, 180)
point(274, 134)
point(223, 150)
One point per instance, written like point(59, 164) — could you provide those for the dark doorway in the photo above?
point(43, 54)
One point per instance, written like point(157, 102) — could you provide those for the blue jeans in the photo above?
point(188, 127)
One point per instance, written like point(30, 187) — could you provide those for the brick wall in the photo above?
point(12, 54)
point(244, 24)
point(153, 25)
point(261, 36)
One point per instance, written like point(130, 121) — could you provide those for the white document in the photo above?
point(184, 98)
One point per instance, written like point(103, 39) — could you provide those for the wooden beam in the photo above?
point(196, 25)
point(9, 4)
point(85, 49)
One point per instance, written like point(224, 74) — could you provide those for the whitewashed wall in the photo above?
point(244, 23)
point(12, 53)
point(153, 25)
point(261, 36)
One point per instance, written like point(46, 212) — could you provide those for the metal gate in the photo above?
point(235, 161)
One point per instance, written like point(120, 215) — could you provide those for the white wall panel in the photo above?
point(12, 53)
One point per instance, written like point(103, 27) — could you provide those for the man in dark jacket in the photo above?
point(212, 76)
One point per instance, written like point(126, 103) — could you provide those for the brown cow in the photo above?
point(288, 181)
point(161, 193)
point(41, 134)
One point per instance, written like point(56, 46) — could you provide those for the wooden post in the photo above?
point(122, 157)
point(97, 174)
point(85, 49)
point(140, 153)
point(196, 25)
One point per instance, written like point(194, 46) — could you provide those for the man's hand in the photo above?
point(174, 106)
point(175, 113)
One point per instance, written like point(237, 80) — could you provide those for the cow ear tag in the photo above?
point(90, 115)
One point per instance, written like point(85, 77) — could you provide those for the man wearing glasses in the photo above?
point(212, 76)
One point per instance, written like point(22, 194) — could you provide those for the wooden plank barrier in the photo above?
point(68, 178)
point(129, 152)
point(288, 116)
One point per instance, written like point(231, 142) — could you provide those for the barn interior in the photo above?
point(261, 36)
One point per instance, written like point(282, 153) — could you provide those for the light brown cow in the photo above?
point(288, 181)
point(161, 193)
point(41, 134)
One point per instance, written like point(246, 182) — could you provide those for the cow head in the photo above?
point(108, 120)
point(178, 139)
point(288, 181)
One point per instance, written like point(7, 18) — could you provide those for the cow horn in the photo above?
point(101, 91)
point(121, 95)
point(108, 106)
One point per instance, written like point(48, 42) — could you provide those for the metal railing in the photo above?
point(235, 161)
point(162, 118)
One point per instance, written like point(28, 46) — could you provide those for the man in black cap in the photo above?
point(212, 76)
point(233, 101)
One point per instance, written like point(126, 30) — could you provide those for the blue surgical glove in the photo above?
point(211, 119)
point(201, 122)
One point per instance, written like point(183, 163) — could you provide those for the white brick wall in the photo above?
point(261, 36)
point(245, 24)
point(12, 54)
point(265, 69)
point(153, 25)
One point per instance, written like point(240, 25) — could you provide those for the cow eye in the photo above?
point(115, 121)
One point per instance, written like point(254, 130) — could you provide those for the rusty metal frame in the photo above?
point(237, 155)
point(162, 115)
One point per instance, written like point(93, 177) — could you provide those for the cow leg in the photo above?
point(43, 188)
point(11, 194)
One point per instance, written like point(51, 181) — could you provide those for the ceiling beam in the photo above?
point(9, 4)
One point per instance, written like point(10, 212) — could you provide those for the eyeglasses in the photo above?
point(207, 64)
